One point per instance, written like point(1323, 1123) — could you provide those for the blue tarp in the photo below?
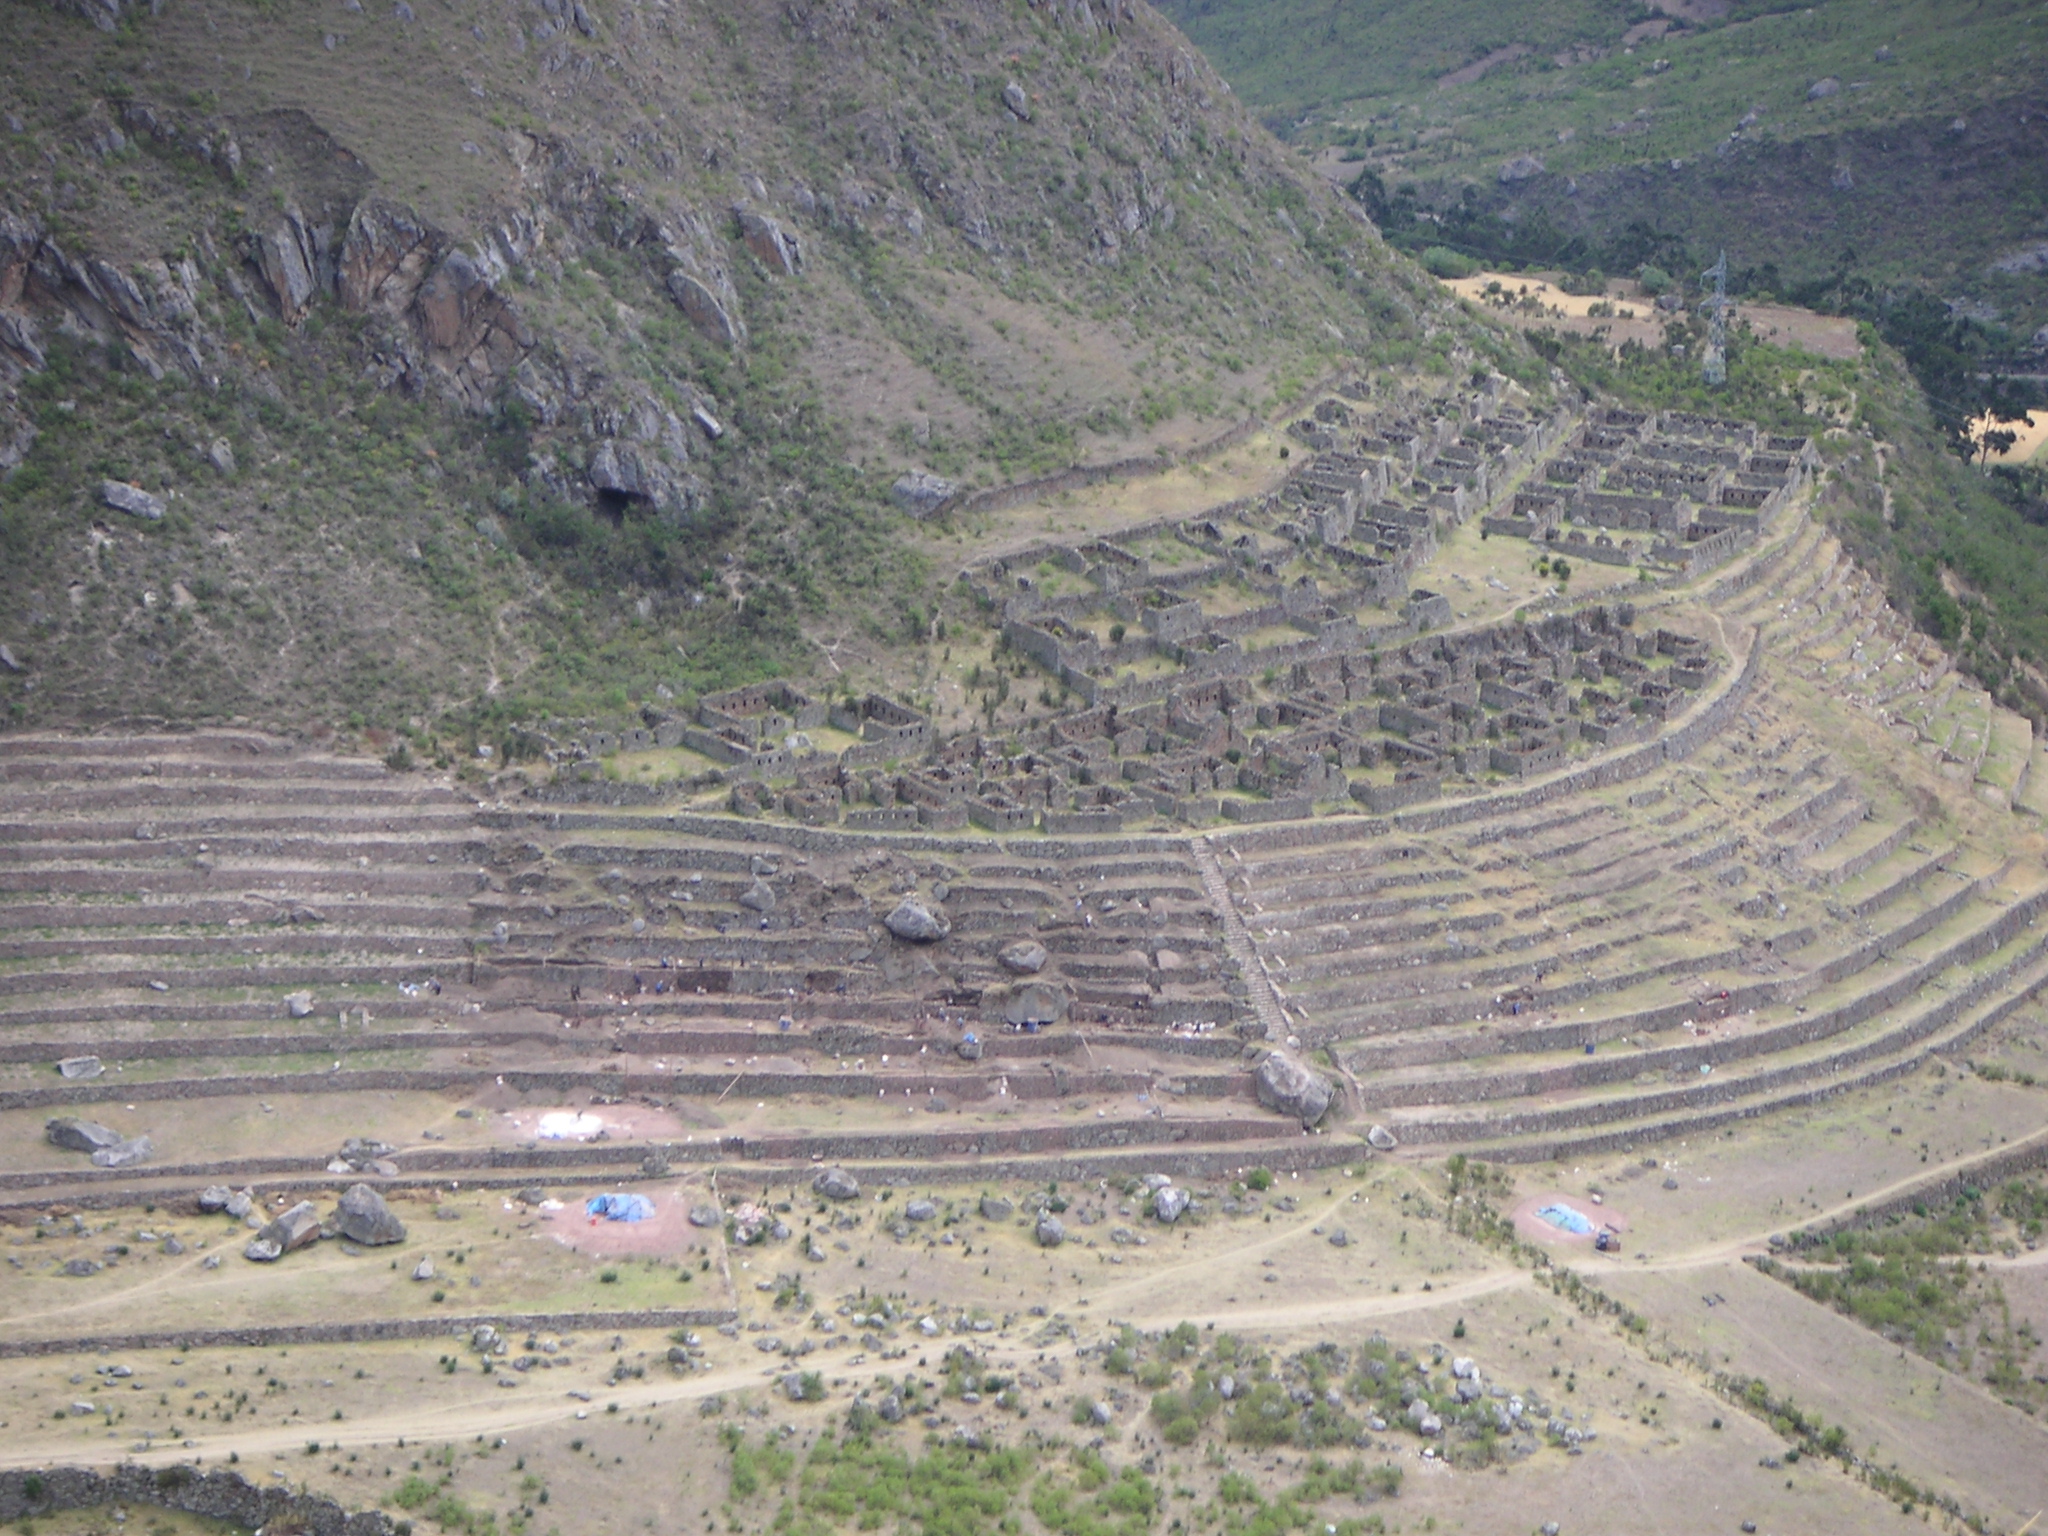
point(1563, 1217)
point(621, 1207)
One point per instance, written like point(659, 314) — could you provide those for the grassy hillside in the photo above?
point(532, 357)
point(1904, 142)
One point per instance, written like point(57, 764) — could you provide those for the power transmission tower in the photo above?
point(1714, 368)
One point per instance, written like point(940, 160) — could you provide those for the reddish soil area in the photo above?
point(1533, 1227)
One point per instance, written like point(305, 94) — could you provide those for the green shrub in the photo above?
point(413, 1492)
point(1442, 261)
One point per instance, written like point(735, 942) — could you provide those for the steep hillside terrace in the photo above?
point(1785, 907)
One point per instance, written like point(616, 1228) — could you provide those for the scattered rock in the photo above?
point(424, 1270)
point(286, 1233)
point(123, 1154)
point(758, 897)
point(172, 1247)
point(1521, 168)
point(920, 1210)
point(921, 493)
point(915, 923)
point(77, 1068)
point(1339, 1238)
point(836, 1184)
point(969, 1049)
point(221, 456)
point(890, 1409)
point(1380, 1139)
point(1286, 1085)
point(704, 1216)
point(75, 1135)
point(1026, 957)
point(1018, 103)
point(241, 1204)
point(1050, 1232)
point(1465, 1368)
point(996, 1208)
point(1821, 89)
point(10, 661)
point(79, 1268)
point(298, 1005)
point(533, 1194)
point(363, 1217)
point(1169, 1203)
point(132, 499)
point(793, 1387)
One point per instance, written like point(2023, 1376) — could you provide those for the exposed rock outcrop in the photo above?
point(772, 245)
point(1290, 1087)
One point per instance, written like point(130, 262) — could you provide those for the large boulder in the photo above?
point(1287, 1085)
point(921, 493)
point(836, 1184)
point(996, 1208)
point(363, 1217)
point(75, 1135)
point(1050, 1232)
point(916, 923)
point(1036, 1002)
point(1169, 1203)
point(286, 1233)
point(123, 1153)
point(1380, 1139)
point(1026, 957)
point(77, 1068)
point(132, 499)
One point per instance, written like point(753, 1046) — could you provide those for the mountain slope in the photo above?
point(534, 356)
point(1902, 142)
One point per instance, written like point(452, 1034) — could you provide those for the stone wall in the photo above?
point(273, 1335)
point(220, 1495)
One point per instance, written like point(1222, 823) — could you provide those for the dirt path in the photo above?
point(1151, 1300)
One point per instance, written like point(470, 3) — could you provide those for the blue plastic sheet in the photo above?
point(620, 1207)
point(1563, 1217)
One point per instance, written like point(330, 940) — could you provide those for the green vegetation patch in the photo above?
point(1920, 1279)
